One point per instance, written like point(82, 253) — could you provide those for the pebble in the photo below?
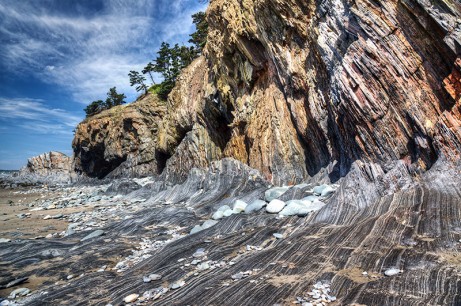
point(277, 235)
point(196, 229)
point(392, 272)
point(224, 208)
point(319, 189)
point(177, 285)
point(275, 206)
point(203, 266)
point(327, 191)
point(320, 295)
point(199, 253)
point(131, 298)
point(275, 192)
point(209, 223)
point(70, 277)
point(237, 276)
point(146, 279)
point(154, 277)
point(19, 292)
point(218, 215)
point(4, 240)
point(239, 206)
point(255, 206)
point(228, 213)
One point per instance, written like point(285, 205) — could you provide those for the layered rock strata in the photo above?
point(291, 87)
point(48, 163)
point(51, 167)
point(376, 248)
point(122, 138)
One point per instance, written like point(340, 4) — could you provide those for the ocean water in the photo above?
point(8, 173)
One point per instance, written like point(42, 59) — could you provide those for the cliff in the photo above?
point(49, 168)
point(292, 87)
point(47, 164)
point(366, 94)
point(122, 138)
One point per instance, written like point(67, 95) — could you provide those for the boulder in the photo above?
point(255, 206)
point(275, 206)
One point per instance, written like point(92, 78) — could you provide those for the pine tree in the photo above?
point(198, 38)
point(114, 98)
point(94, 108)
point(149, 69)
point(136, 79)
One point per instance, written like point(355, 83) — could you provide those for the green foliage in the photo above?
point(137, 79)
point(149, 69)
point(171, 59)
point(113, 99)
point(198, 38)
point(169, 62)
point(94, 108)
point(155, 88)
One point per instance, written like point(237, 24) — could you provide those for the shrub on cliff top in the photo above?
point(113, 99)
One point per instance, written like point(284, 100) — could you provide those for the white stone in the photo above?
point(199, 253)
point(131, 298)
point(239, 206)
point(319, 189)
point(392, 272)
point(327, 191)
point(4, 240)
point(218, 215)
point(224, 208)
point(154, 277)
point(19, 292)
point(255, 206)
point(228, 213)
point(177, 285)
point(209, 223)
point(275, 206)
point(296, 208)
point(196, 229)
point(275, 192)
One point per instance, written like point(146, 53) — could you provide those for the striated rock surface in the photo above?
point(320, 81)
point(292, 87)
point(382, 239)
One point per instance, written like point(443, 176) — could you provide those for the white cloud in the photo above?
point(37, 116)
point(88, 54)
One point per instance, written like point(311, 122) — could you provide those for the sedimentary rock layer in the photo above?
point(122, 138)
point(48, 164)
point(415, 230)
point(289, 87)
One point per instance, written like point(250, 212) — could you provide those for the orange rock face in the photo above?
point(291, 87)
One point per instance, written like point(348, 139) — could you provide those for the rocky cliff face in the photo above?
point(48, 164)
point(49, 168)
point(121, 139)
point(316, 82)
point(291, 87)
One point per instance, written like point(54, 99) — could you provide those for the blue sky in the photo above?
point(56, 56)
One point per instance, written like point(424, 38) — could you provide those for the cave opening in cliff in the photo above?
point(161, 158)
